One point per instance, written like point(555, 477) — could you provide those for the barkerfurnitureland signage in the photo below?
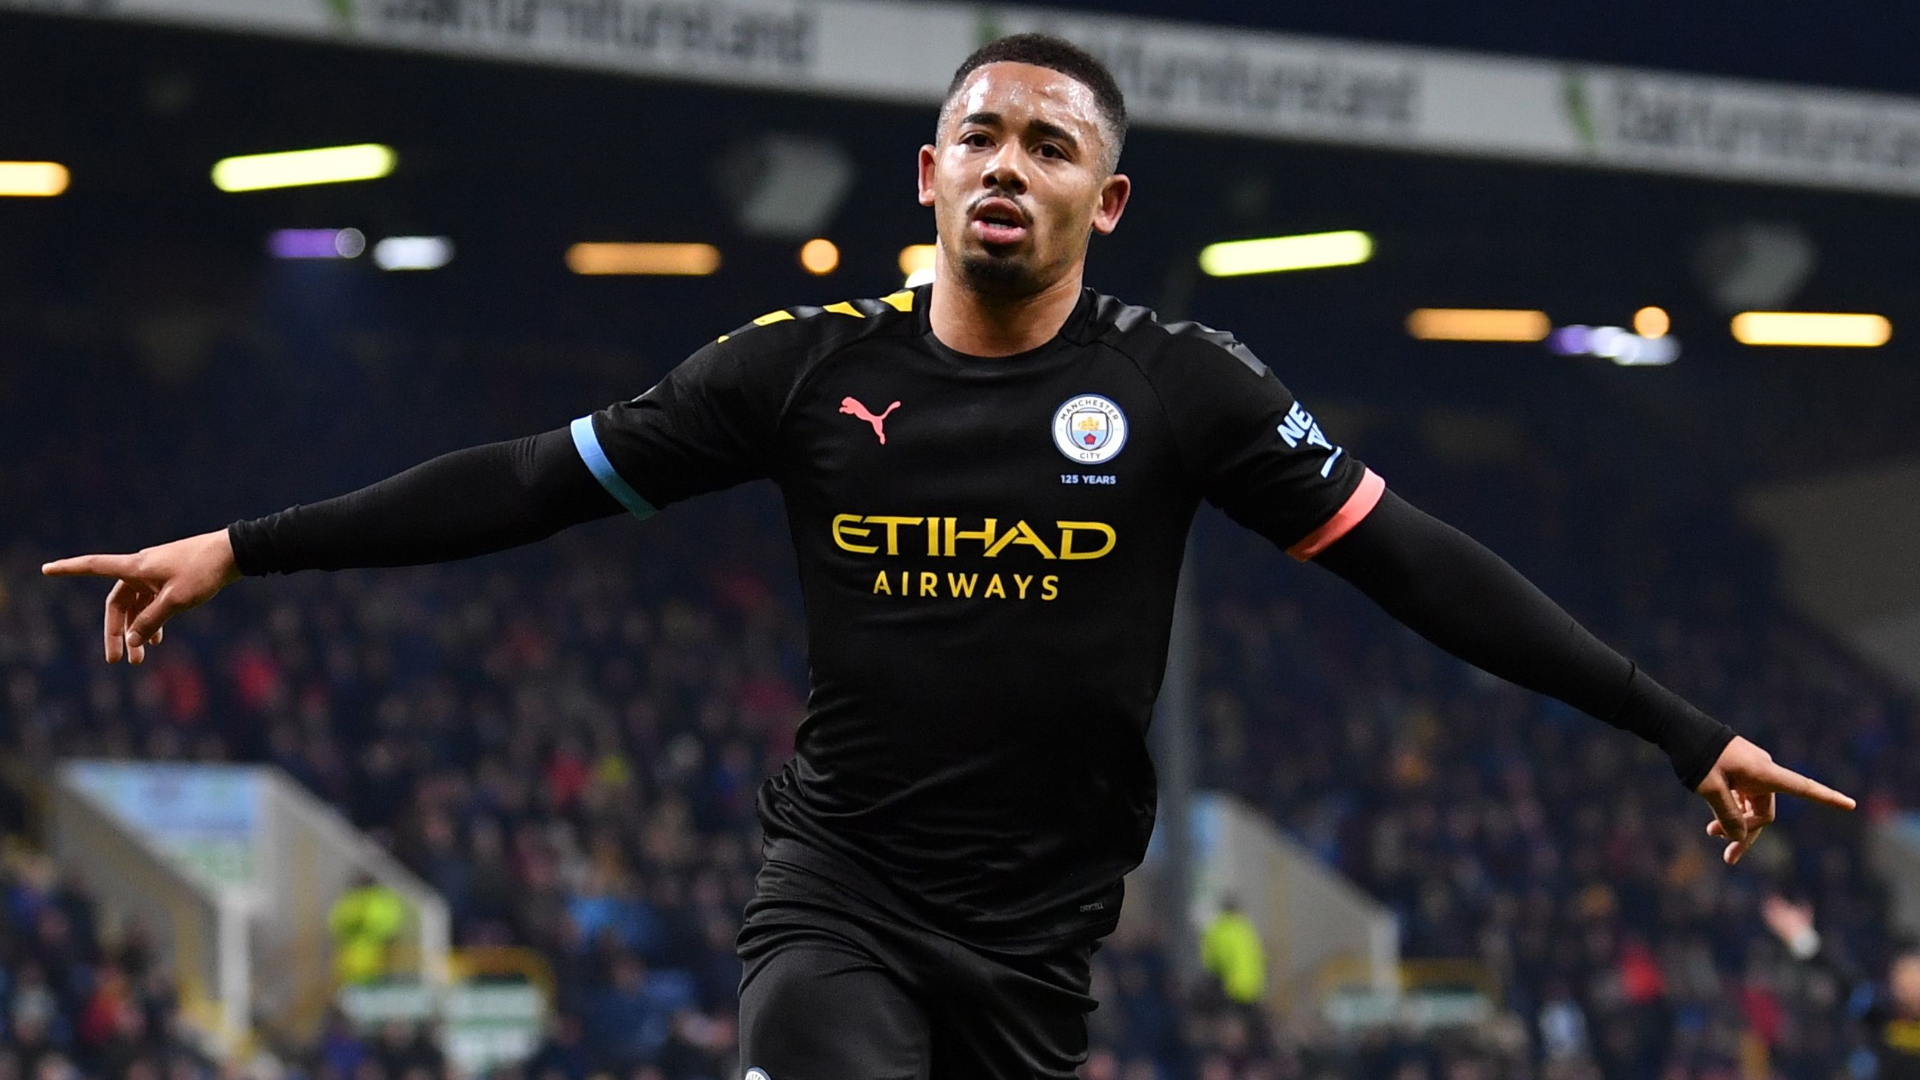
point(1176, 75)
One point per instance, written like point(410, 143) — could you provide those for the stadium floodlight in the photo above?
point(413, 253)
point(32, 178)
point(316, 243)
point(916, 262)
point(820, 256)
point(691, 260)
point(1310, 251)
point(298, 168)
point(1859, 331)
point(917, 257)
point(1652, 322)
point(1478, 324)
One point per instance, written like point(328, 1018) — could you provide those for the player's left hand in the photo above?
point(1740, 789)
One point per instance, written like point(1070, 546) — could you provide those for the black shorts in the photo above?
point(835, 987)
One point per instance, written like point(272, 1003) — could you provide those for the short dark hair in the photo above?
point(1055, 54)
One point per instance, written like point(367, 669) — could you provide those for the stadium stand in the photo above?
point(1502, 827)
point(565, 742)
point(81, 999)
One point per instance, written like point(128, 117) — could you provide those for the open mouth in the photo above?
point(999, 221)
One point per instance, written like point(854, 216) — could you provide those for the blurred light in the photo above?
point(820, 256)
point(915, 258)
point(1623, 347)
point(413, 252)
point(1652, 322)
point(32, 178)
point(1478, 324)
point(1276, 253)
point(683, 259)
point(1811, 328)
point(330, 165)
point(1572, 341)
point(316, 243)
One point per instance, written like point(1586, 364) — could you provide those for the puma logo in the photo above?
point(853, 408)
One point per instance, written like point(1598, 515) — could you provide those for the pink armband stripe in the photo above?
point(1358, 505)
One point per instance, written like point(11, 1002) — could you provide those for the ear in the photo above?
point(928, 156)
point(1113, 203)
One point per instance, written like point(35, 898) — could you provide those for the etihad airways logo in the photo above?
point(948, 537)
point(951, 537)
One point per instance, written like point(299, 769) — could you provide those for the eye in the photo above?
point(975, 138)
point(1051, 150)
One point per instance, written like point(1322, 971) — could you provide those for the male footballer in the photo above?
point(989, 482)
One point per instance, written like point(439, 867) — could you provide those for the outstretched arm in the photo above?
point(469, 502)
point(708, 425)
point(1462, 597)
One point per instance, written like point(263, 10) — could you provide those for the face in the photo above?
point(1904, 982)
point(1018, 180)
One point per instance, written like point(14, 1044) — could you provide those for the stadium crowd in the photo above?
point(566, 741)
point(80, 999)
point(1506, 828)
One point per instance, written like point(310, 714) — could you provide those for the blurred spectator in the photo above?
point(1891, 1013)
point(365, 921)
point(1230, 948)
point(341, 1049)
point(564, 1054)
point(72, 1006)
point(630, 1017)
point(406, 1048)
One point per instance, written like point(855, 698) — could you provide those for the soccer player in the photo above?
point(989, 483)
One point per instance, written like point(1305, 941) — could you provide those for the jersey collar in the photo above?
point(1075, 331)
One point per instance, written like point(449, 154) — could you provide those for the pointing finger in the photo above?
point(119, 566)
point(1786, 780)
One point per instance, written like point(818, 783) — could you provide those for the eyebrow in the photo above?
point(1042, 127)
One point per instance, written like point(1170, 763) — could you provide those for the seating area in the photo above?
point(566, 742)
point(80, 998)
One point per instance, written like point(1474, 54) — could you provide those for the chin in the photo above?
point(999, 275)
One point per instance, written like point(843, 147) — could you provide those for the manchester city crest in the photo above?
point(1089, 429)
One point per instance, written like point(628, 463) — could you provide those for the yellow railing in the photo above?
point(502, 960)
point(1412, 976)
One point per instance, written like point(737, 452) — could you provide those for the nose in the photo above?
point(1006, 170)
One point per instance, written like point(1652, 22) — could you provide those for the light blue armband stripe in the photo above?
point(585, 441)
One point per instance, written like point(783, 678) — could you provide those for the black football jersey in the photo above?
point(988, 551)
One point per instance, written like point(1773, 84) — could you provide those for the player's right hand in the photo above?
point(152, 585)
point(1741, 787)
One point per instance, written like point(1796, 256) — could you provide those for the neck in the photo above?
point(976, 324)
